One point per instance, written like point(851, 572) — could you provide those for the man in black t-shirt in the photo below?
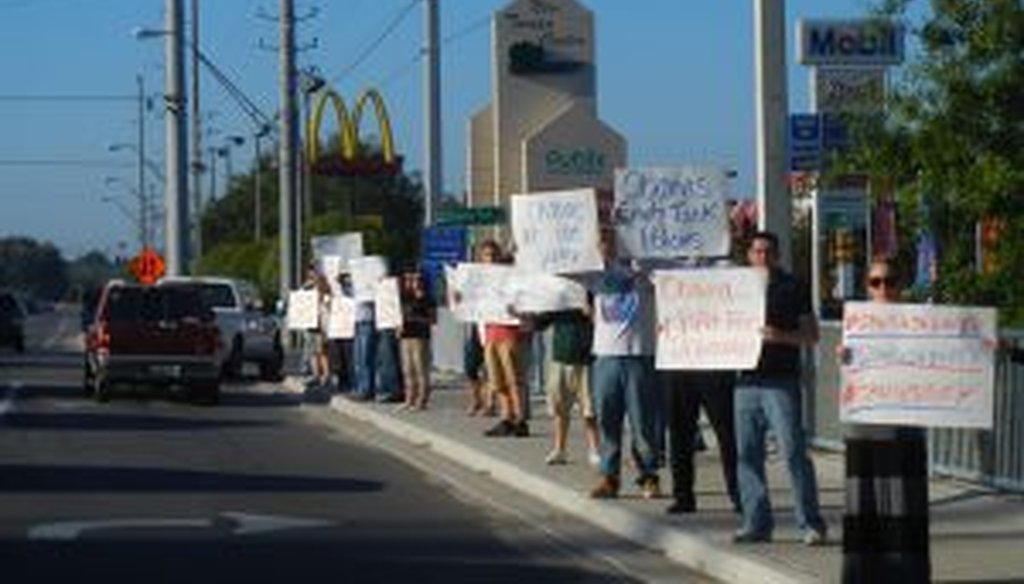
point(768, 399)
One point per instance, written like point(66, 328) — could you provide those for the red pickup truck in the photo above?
point(145, 335)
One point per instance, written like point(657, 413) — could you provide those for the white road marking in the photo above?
point(240, 524)
point(249, 524)
point(7, 404)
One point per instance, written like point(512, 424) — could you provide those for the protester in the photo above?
point(622, 373)
point(768, 399)
point(364, 349)
point(481, 399)
point(389, 365)
point(315, 341)
point(418, 315)
point(885, 523)
point(341, 349)
point(568, 378)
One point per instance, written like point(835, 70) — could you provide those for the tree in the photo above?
point(952, 145)
point(32, 268)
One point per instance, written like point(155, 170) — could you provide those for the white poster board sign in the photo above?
point(709, 319)
point(546, 293)
point(341, 320)
point(556, 232)
point(366, 272)
point(482, 292)
point(918, 365)
point(671, 212)
point(344, 245)
point(303, 310)
point(388, 305)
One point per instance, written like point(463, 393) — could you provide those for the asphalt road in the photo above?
point(261, 488)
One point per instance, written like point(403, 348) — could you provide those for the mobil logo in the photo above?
point(876, 42)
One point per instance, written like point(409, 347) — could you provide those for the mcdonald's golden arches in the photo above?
point(352, 159)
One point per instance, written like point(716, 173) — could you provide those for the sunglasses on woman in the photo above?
point(878, 281)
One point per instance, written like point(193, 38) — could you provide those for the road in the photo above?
point(261, 488)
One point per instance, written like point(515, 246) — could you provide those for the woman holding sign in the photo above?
point(885, 525)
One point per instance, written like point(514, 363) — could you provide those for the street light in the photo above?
point(153, 167)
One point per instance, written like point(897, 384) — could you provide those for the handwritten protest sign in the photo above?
point(344, 245)
point(709, 318)
point(545, 293)
point(556, 232)
point(482, 292)
point(671, 212)
point(388, 305)
point(303, 310)
point(918, 365)
point(341, 320)
point(366, 271)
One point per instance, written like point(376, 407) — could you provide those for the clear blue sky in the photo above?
point(674, 76)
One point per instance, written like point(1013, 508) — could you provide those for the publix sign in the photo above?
point(574, 162)
point(873, 42)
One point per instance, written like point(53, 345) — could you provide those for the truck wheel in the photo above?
point(207, 393)
point(88, 379)
point(100, 389)
point(233, 364)
point(270, 370)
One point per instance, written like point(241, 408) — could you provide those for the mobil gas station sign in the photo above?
point(868, 42)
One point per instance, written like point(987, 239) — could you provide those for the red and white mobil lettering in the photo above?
point(850, 42)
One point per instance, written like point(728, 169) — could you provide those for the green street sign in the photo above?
point(470, 216)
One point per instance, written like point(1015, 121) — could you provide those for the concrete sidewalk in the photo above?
point(976, 534)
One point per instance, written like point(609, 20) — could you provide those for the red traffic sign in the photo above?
point(148, 266)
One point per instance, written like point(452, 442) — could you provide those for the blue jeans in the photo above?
point(763, 405)
point(625, 386)
point(364, 358)
point(389, 365)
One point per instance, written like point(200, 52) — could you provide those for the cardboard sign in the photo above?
point(671, 212)
point(482, 293)
point(388, 305)
point(345, 245)
point(366, 272)
point(709, 319)
point(918, 365)
point(556, 232)
point(341, 318)
point(303, 310)
point(546, 293)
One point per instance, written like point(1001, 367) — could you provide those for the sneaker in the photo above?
point(501, 429)
point(556, 456)
point(680, 506)
point(650, 487)
point(745, 536)
point(520, 429)
point(594, 458)
point(608, 488)
point(813, 537)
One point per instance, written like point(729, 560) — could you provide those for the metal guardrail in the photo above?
point(990, 457)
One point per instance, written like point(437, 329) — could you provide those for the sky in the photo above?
point(675, 77)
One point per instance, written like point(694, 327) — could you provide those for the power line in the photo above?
point(63, 162)
point(66, 97)
point(390, 28)
point(407, 66)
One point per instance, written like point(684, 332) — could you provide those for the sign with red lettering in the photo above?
point(148, 266)
point(710, 318)
point(918, 365)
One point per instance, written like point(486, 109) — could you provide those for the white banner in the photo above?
point(709, 318)
point(546, 293)
point(918, 365)
point(303, 310)
point(671, 212)
point(482, 292)
point(556, 232)
point(341, 320)
point(345, 245)
point(388, 305)
point(366, 272)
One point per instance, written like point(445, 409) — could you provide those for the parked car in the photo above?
point(152, 336)
point(249, 334)
point(12, 322)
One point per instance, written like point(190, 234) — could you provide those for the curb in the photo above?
point(689, 548)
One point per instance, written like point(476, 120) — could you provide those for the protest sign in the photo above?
point(344, 245)
point(918, 365)
point(671, 212)
point(388, 305)
point(482, 292)
point(341, 319)
point(556, 232)
point(366, 271)
point(709, 319)
point(534, 292)
point(303, 310)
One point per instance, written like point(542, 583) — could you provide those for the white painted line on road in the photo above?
point(70, 530)
point(7, 404)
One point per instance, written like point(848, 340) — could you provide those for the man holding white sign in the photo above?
point(556, 232)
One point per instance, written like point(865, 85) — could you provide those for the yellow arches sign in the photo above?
point(352, 160)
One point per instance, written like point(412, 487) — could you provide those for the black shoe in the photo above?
point(521, 429)
point(680, 506)
point(501, 429)
point(743, 536)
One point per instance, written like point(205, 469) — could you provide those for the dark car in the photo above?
point(160, 336)
point(12, 322)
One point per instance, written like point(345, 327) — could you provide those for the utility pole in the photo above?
point(432, 111)
point(197, 142)
point(143, 202)
point(773, 202)
point(288, 148)
point(176, 194)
